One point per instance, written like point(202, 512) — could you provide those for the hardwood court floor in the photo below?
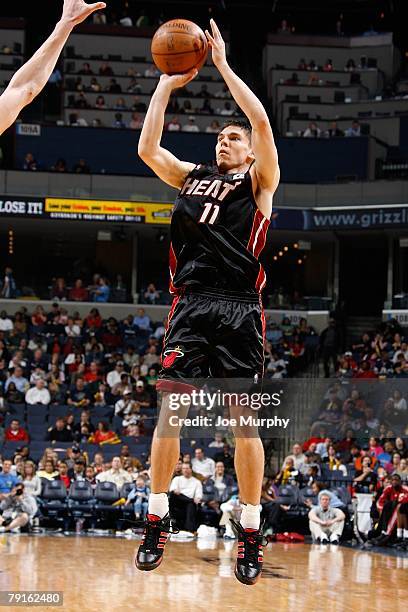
point(98, 574)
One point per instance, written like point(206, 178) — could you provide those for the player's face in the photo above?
point(233, 148)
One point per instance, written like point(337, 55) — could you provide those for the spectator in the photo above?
point(220, 487)
point(78, 293)
point(60, 432)
point(30, 163)
point(102, 292)
point(203, 466)
point(100, 103)
point(227, 110)
point(136, 121)
point(191, 125)
point(81, 167)
point(174, 124)
point(114, 86)
point(218, 441)
point(9, 287)
point(95, 87)
point(18, 509)
point(13, 395)
point(86, 69)
point(142, 320)
point(8, 480)
point(16, 433)
point(325, 522)
point(312, 131)
point(114, 376)
point(18, 379)
point(78, 396)
point(59, 166)
point(139, 495)
point(186, 493)
point(32, 483)
point(134, 86)
point(213, 128)
point(388, 505)
point(63, 474)
point(297, 456)
point(116, 474)
point(118, 122)
point(77, 472)
point(334, 131)
point(48, 472)
point(6, 324)
point(105, 69)
point(354, 130)
point(38, 394)
point(284, 28)
point(103, 435)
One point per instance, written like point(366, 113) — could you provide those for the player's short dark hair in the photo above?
point(244, 125)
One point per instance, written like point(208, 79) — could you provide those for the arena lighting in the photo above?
point(296, 246)
point(280, 253)
point(300, 261)
point(11, 242)
point(285, 248)
point(275, 258)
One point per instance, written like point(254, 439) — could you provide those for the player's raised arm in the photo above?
point(163, 163)
point(263, 144)
point(31, 78)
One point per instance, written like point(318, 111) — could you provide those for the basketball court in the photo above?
point(97, 574)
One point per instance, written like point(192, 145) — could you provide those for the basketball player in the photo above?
point(31, 78)
point(215, 326)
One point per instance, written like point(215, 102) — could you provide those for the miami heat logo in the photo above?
point(170, 355)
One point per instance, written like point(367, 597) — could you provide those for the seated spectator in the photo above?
point(219, 488)
point(213, 128)
point(86, 69)
point(118, 123)
point(105, 69)
point(102, 292)
point(78, 293)
point(226, 110)
point(202, 466)
point(218, 441)
point(77, 472)
point(226, 457)
point(186, 493)
point(206, 107)
point(93, 320)
point(78, 396)
point(223, 92)
point(100, 103)
point(284, 28)
point(114, 376)
point(31, 481)
point(63, 474)
point(141, 395)
point(72, 330)
point(59, 290)
point(354, 130)
point(94, 86)
point(120, 104)
point(288, 473)
point(103, 435)
point(139, 496)
point(15, 433)
point(8, 480)
point(297, 456)
point(60, 432)
point(48, 472)
point(18, 509)
point(136, 121)
point(333, 131)
point(113, 86)
point(116, 474)
point(13, 395)
point(6, 324)
point(134, 86)
point(328, 66)
point(142, 320)
point(81, 167)
point(38, 394)
point(191, 125)
point(30, 163)
point(151, 295)
point(333, 461)
point(365, 480)
point(313, 131)
point(138, 105)
point(151, 358)
point(325, 522)
point(393, 497)
point(126, 404)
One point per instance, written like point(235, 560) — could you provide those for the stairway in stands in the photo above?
point(357, 325)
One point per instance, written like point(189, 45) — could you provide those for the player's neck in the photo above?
point(237, 170)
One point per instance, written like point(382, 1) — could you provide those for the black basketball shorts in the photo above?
point(212, 334)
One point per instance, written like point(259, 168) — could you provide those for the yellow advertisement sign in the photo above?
point(108, 210)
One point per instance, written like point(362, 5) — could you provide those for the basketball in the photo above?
point(178, 46)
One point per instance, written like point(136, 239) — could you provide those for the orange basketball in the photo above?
point(178, 46)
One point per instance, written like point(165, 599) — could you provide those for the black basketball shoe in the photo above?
point(248, 567)
point(155, 535)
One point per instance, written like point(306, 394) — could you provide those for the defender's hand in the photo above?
point(76, 11)
point(175, 81)
point(217, 45)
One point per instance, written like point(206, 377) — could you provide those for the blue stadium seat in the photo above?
point(9, 448)
point(288, 495)
point(106, 493)
point(38, 432)
point(54, 499)
point(11, 417)
point(36, 411)
point(37, 449)
point(58, 411)
point(81, 500)
point(17, 410)
point(103, 413)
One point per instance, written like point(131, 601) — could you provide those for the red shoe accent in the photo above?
point(153, 517)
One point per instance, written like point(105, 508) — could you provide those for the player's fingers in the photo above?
point(215, 28)
point(97, 6)
point(209, 37)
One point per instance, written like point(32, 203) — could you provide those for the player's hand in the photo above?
point(76, 11)
point(217, 45)
point(175, 81)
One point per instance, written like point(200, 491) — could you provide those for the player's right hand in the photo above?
point(175, 81)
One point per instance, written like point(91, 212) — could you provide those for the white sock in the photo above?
point(158, 504)
point(250, 516)
point(400, 532)
point(405, 534)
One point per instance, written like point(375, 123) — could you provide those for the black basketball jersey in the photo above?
point(217, 233)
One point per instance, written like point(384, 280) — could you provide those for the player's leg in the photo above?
point(240, 355)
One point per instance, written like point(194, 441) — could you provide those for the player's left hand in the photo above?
point(76, 11)
point(217, 44)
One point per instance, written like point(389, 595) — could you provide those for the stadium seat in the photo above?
point(81, 500)
point(17, 411)
point(38, 432)
point(9, 448)
point(288, 495)
point(103, 412)
point(54, 499)
point(106, 494)
point(11, 417)
point(58, 411)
